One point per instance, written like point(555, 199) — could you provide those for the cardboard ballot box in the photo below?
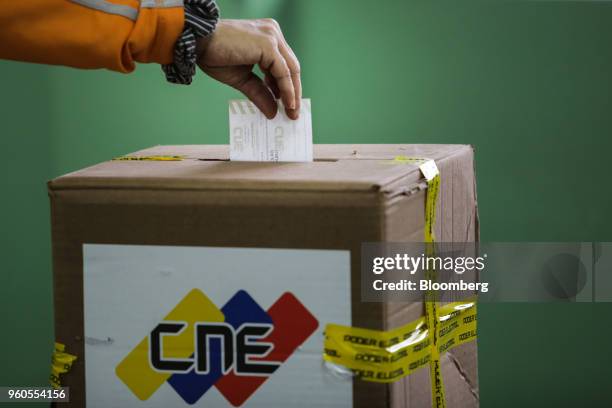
point(182, 279)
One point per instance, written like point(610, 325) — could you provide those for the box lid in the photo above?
point(206, 167)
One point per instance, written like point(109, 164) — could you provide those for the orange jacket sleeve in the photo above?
point(113, 34)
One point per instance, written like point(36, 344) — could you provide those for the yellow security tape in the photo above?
point(149, 158)
point(61, 362)
point(432, 175)
point(386, 356)
point(432, 319)
point(433, 189)
point(431, 302)
point(410, 160)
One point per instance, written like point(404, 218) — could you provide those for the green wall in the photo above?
point(25, 267)
point(527, 83)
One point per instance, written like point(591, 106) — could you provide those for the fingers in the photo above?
point(269, 80)
point(237, 46)
point(255, 89)
point(274, 63)
point(297, 83)
point(284, 68)
point(294, 68)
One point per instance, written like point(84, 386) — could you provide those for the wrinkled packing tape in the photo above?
point(61, 362)
point(387, 356)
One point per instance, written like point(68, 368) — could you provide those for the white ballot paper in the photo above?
point(255, 138)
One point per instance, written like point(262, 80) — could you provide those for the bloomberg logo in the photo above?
point(235, 348)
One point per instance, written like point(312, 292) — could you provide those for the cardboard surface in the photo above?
point(349, 195)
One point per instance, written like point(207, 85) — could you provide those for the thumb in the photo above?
point(255, 89)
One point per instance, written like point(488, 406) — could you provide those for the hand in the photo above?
point(236, 46)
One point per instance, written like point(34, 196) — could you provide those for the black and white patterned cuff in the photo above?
point(201, 18)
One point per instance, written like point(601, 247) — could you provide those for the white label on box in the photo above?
point(212, 327)
point(253, 137)
point(429, 169)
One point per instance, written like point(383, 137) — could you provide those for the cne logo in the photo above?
point(235, 348)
